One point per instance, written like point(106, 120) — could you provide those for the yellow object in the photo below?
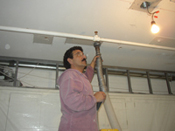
point(109, 130)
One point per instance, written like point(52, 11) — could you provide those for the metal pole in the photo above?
point(129, 82)
point(56, 76)
point(168, 84)
point(107, 103)
point(149, 83)
point(106, 78)
point(16, 73)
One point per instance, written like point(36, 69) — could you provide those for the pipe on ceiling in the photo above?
point(95, 38)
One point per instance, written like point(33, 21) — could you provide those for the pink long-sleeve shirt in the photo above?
point(78, 104)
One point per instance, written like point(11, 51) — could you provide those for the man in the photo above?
point(78, 102)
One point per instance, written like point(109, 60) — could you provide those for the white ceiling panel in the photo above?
point(112, 19)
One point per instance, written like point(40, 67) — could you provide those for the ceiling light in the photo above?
point(154, 28)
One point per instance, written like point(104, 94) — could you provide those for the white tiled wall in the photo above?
point(30, 109)
point(23, 109)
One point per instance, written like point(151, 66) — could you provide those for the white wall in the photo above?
point(137, 112)
point(27, 109)
point(23, 109)
point(31, 109)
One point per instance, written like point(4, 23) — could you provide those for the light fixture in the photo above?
point(154, 28)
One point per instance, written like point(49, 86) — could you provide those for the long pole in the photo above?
point(102, 85)
point(95, 38)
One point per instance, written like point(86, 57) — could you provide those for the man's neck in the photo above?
point(79, 69)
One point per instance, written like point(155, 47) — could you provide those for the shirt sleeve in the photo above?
point(73, 96)
point(89, 73)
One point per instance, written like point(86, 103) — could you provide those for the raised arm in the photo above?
point(94, 62)
point(90, 69)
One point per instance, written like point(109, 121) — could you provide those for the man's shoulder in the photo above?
point(69, 73)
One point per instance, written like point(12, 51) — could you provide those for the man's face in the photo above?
point(79, 59)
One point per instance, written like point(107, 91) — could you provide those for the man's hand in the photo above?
point(94, 61)
point(100, 96)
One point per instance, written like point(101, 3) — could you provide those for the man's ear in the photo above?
point(69, 60)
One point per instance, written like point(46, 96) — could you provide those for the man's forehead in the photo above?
point(75, 51)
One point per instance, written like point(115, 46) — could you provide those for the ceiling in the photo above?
point(115, 19)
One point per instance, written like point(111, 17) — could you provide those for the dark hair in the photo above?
point(68, 54)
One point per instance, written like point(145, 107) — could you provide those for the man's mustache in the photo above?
point(83, 59)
